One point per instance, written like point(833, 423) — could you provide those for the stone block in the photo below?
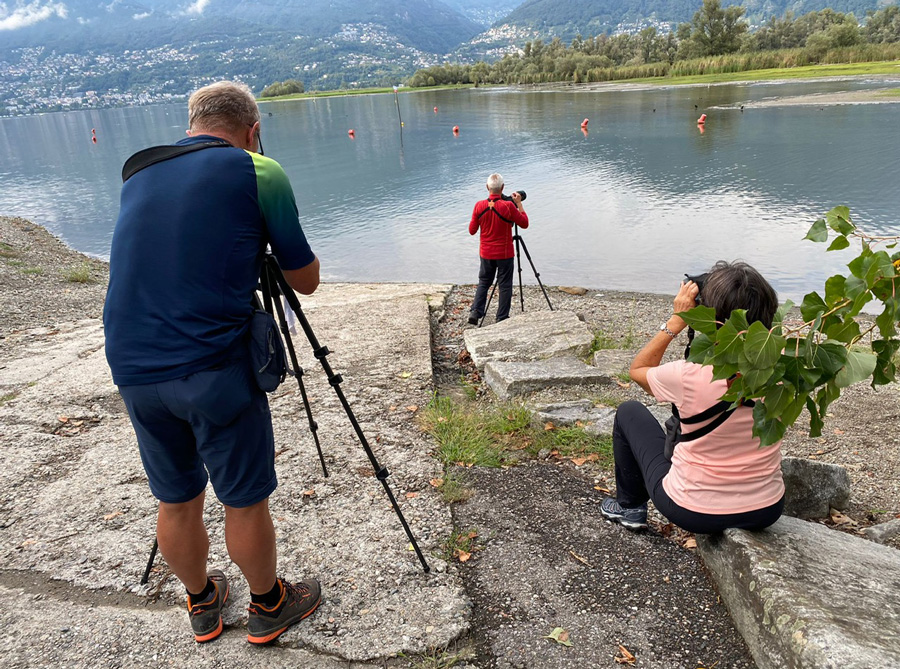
point(883, 531)
point(530, 336)
point(570, 413)
point(613, 361)
point(509, 379)
point(804, 595)
point(813, 488)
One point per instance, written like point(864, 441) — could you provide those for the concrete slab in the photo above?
point(804, 595)
point(509, 379)
point(534, 335)
point(76, 511)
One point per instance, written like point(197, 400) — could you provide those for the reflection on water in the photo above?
point(635, 203)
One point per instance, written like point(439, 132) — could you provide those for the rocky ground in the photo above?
point(546, 558)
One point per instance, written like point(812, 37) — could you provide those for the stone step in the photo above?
point(530, 336)
point(511, 379)
point(804, 595)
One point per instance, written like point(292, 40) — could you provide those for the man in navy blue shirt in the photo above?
point(185, 261)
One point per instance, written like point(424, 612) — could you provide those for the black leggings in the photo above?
point(638, 442)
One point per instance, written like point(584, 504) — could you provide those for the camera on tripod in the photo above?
point(700, 280)
point(508, 198)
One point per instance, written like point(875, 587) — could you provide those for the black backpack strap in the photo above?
point(719, 409)
point(493, 209)
point(157, 154)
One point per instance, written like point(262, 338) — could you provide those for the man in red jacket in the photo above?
point(496, 216)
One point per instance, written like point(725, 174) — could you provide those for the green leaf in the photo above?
point(845, 332)
point(815, 422)
point(859, 303)
point(762, 349)
point(560, 636)
point(835, 287)
point(859, 366)
point(858, 264)
point(840, 242)
point(754, 379)
point(886, 369)
point(813, 305)
point(769, 430)
point(780, 314)
point(701, 348)
point(854, 287)
point(887, 320)
point(729, 343)
point(723, 370)
point(777, 399)
point(818, 232)
point(702, 319)
point(799, 375)
point(828, 357)
point(793, 410)
point(839, 220)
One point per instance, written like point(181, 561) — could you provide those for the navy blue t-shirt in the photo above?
point(186, 257)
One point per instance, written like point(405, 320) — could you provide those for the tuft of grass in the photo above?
point(469, 389)
point(460, 541)
point(80, 274)
point(571, 442)
point(437, 658)
point(602, 341)
point(33, 270)
point(7, 250)
point(608, 400)
point(454, 488)
point(8, 397)
point(624, 377)
point(461, 434)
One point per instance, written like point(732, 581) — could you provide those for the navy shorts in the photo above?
point(214, 421)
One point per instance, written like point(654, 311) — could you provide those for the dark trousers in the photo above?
point(641, 466)
point(503, 269)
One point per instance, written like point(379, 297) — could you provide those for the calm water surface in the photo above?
point(643, 198)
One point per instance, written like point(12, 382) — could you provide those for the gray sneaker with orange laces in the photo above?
point(297, 601)
point(206, 616)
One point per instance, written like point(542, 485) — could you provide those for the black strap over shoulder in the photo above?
point(493, 209)
point(719, 410)
point(157, 154)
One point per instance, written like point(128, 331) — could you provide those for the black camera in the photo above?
point(700, 280)
point(508, 198)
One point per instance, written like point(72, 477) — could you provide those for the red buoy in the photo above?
point(435, 110)
point(584, 123)
point(94, 139)
point(351, 132)
point(456, 129)
point(702, 119)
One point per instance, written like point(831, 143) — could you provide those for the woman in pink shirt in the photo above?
point(721, 479)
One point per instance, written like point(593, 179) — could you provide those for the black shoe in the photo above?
point(473, 320)
point(633, 519)
point(298, 600)
point(206, 616)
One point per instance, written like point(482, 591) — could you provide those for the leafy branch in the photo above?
point(789, 366)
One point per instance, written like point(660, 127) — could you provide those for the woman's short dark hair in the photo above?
point(737, 285)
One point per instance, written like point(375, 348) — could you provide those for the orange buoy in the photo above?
point(584, 130)
point(456, 129)
point(351, 132)
point(701, 128)
point(702, 119)
point(435, 110)
point(584, 123)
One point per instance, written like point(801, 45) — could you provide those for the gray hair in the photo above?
point(224, 105)
point(495, 183)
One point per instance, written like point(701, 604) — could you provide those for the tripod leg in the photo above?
point(537, 274)
point(488, 304)
point(298, 372)
point(335, 380)
point(518, 239)
point(146, 576)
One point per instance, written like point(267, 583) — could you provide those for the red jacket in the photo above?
point(496, 234)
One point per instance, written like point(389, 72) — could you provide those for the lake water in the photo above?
point(641, 199)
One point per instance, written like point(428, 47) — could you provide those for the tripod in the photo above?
point(517, 238)
point(273, 284)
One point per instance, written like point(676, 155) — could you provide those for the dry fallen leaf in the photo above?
point(463, 556)
point(839, 518)
point(838, 432)
point(412, 407)
point(405, 375)
point(624, 657)
point(549, 426)
point(436, 483)
point(309, 493)
point(579, 461)
point(690, 542)
point(63, 419)
point(114, 514)
point(77, 423)
point(622, 384)
point(442, 419)
point(560, 636)
point(410, 495)
point(602, 489)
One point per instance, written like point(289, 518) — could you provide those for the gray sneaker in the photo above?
point(633, 519)
point(206, 616)
point(298, 600)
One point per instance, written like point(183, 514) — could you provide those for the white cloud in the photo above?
point(24, 14)
point(138, 17)
point(197, 7)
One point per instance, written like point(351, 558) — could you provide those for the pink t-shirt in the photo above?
point(725, 471)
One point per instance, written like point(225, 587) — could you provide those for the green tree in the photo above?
point(717, 31)
point(286, 87)
point(804, 364)
point(883, 26)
